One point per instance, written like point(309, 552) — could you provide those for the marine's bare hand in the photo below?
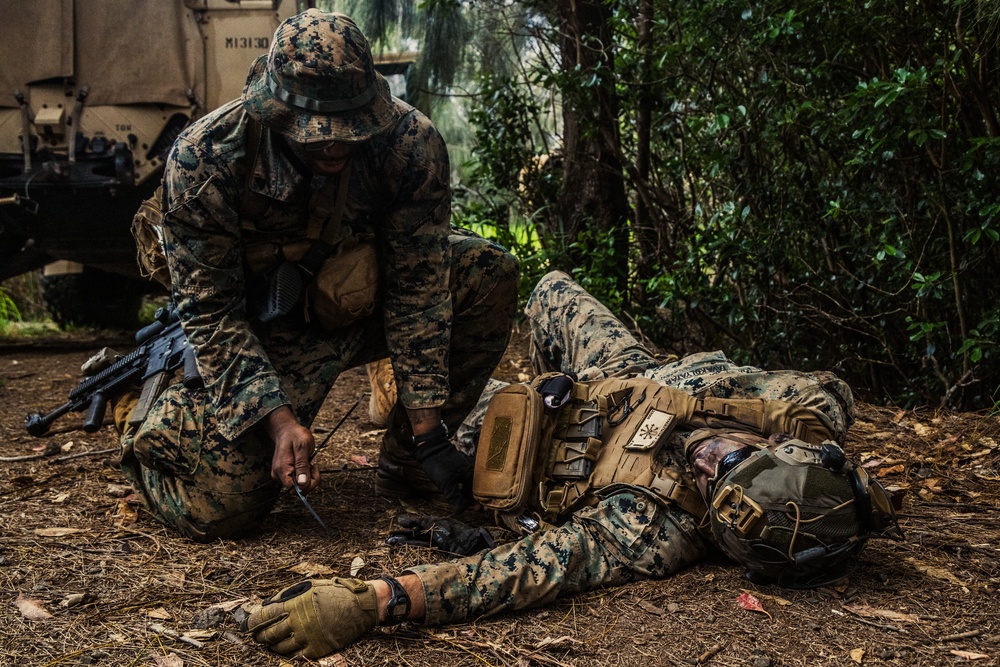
point(293, 447)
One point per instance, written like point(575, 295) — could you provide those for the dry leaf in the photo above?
point(170, 660)
point(651, 608)
point(200, 635)
point(933, 484)
point(159, 614)
point(335, 660)
point(924, 431)
point(773, 598)
point(751, 603)
point(871, 612)
point(56, 532)
point(857, 654)
point(356, 565)
point(31, 609)
point(228, 606)
point(61, 498)
point(173, 579)
point(888, 471)
point(936, 572)
point(126, 515)
point(360, 459)
point(969, 655)
point(72, 600)
point(68, 446)
point(119, 490)
point(308, 569)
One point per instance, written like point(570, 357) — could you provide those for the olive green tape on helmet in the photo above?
point(797, 514)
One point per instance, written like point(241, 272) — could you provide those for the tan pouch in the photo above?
point(508, 444)
point(146, 230)
point(345, 289)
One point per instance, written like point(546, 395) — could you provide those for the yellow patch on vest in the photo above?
point(650, 431)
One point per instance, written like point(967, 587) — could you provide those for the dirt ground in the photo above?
point(117, 589)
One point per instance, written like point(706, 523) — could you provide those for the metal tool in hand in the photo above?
point(295, 484)
point(309, 507)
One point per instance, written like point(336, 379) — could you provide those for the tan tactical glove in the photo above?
point(315, 618)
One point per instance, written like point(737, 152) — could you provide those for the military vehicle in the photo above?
point(92, 95)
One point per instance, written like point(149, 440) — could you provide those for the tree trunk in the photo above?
point(593, 195)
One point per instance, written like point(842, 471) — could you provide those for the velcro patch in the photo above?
point(653, 428)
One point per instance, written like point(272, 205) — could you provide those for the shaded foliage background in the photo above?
point(807, 183)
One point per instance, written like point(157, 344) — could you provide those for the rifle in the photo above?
point(163, 348)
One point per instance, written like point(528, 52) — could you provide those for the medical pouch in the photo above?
point(345, 288)
point(508, 448)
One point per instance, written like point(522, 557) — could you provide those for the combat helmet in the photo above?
point(793, 513)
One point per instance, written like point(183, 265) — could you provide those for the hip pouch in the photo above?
point(334, 288)
point(345, 289)
point(508, 448)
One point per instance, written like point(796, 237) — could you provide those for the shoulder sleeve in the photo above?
point(418, 308)
point(203, 249)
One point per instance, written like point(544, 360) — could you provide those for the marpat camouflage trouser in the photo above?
point(205, 486)
point(627, 535)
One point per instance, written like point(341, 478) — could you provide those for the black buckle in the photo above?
point(625, 406)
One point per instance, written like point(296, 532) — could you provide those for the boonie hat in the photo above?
point(318, 82)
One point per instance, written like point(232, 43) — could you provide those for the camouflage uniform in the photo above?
point(447, 300)
point(628, 534)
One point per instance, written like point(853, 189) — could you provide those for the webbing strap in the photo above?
point(252, 204)
point(668, 485)
point(326, 208)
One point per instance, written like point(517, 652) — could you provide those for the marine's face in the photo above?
point(323, 158)
point(710, 453)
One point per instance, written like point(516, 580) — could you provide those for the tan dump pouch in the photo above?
point(345, 289)
point(147, 229)
point(508, 445)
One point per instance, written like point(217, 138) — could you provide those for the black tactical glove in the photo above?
point(448, 535)
point(448, 468)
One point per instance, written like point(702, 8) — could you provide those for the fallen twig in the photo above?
point(51, 449)
point(79, 455)
point(883, 626)
point(173, 634)
point(968, 634)
point(709, 653)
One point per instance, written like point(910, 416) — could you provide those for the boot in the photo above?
point(399, 474)
point(383, 392)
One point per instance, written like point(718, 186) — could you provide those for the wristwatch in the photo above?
point(438, 432)
point(398, 608)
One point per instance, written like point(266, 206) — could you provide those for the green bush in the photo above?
point(822, 189)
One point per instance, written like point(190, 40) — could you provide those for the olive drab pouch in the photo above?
point(147, 231)
point(508, 447)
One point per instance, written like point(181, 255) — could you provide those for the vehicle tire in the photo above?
point(94, 299)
